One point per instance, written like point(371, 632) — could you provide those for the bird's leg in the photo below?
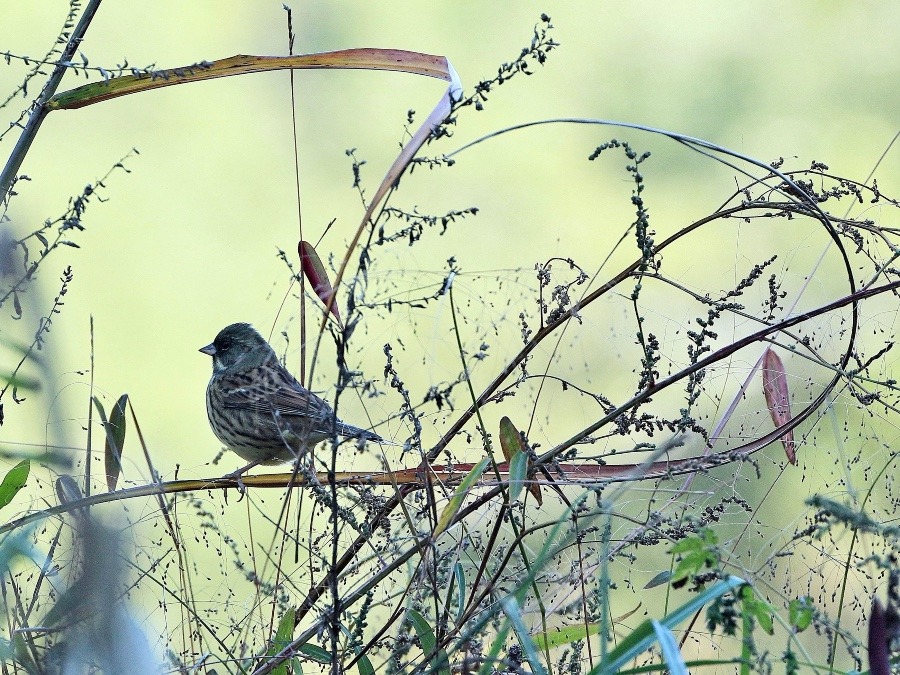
point(238, 476)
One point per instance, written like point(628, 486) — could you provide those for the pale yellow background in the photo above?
point(186, 242)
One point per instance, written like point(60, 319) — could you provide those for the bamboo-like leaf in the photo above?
point(514, 614)
point(115, 442)
point(460, 575)
point(19, 652)
point(317, 276)
point(68, 492)
point(660, 579)
point(778, 398)
point(364, 665)
point(13, 481)
point(440, 663)
point(397, 60)
point(535, 489)
point(670, 651)
point(457, 500)
point(283, 639)
point(73, 604)
point(423, 630)
point(518, 472)
point(491, 659)
point(315, 652)
point(20, 382)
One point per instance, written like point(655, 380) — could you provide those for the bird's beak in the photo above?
point(209, 349)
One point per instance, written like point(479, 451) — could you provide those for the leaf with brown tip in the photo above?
point(510, 439)
point(315, 274)
point(367, 58)
point(512, 443)
point(778, 399)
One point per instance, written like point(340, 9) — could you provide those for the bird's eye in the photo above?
point(224, 345)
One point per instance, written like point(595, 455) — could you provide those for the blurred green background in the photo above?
point(186, 242)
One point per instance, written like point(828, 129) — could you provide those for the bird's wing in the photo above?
point(282, 402)
point(264, 394)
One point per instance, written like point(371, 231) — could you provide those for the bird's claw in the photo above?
point(238, 477)
point(241, 488)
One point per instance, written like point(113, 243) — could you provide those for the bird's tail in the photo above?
point(348, 431)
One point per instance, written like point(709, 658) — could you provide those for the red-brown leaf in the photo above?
point(778, 399)
point(315, 274)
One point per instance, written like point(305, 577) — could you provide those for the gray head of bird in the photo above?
point(236, 348)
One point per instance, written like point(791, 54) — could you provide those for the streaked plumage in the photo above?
point(257, 408)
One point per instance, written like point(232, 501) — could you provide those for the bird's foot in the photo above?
point(238, 477)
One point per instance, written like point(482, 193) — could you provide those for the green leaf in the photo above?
point(565, 636)
point(440, 663)
point(315, 652)
point(282, 638)
point(115, 441)
point(364, 665)
point(423, 630)
point(687, 545)
point(801, 612)
point(758, 609)
point(13, 481)
point(518, 470)
point(459, 496)
point(492, 657)
point(697, 552)
point(460, 576)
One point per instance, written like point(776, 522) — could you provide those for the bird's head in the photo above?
point(237, 347)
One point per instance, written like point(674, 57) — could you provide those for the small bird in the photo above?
point(258, 409)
